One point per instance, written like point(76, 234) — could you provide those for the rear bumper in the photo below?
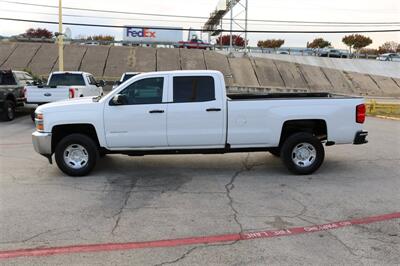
point(360, 138)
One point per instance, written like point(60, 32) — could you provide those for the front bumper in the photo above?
point(360, 138)
point(42, 143)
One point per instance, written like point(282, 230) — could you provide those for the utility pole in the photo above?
point(245, 26)
point(60, 38)
point(231, 3)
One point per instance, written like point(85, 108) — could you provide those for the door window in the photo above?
point(144, 91)
point(194, 89)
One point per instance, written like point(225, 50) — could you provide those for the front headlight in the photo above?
point(39, 122)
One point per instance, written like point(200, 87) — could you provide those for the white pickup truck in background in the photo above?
point(183, 112)
point(64, 85)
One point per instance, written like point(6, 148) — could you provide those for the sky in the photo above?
point(304, 10)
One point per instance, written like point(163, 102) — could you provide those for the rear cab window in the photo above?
point(67, 79)
point(188, 89)
point(7, 78)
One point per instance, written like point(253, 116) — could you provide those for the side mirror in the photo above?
point(37, 82)
point(119, 99)
point(100, 83)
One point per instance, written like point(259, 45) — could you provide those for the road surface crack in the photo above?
point(191, 250)
point(127, 195)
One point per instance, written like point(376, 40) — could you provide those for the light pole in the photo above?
point(60, 38)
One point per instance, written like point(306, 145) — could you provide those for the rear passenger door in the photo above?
point(196, 112)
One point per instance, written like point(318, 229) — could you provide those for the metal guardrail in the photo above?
point(377, 108)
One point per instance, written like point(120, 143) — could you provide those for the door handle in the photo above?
point(156, 111)
point(213, 110)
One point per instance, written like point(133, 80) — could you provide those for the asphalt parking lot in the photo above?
point(129, 199)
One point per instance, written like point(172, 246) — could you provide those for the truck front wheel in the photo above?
point(302, 153)
point(8, 111)
point(76, 155)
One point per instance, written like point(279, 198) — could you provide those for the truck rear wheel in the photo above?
point(8, 113)
point(302, 153)
point(76, 155)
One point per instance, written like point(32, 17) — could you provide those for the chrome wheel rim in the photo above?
point(76, 156)
point(10, 112)
point(304, 154)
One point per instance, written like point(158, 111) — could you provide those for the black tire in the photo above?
point(314, 153)
point(275, 151)
point(79, 140)
point(8, 113)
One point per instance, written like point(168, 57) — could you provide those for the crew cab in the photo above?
point(64, 85)
point(12, 85)
point(184, 112)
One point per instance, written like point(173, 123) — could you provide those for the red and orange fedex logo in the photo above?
point(144, 33)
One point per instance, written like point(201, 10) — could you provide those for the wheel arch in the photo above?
point(316, 127)
point(11, 97)
point(63, 130)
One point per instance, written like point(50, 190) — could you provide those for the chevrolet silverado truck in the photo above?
point(64, 85)
point(12, 85)
point(186, 112)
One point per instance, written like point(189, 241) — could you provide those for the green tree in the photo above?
point(272, 43)
point(318, 43)
point(356, 41)
point(107, 38)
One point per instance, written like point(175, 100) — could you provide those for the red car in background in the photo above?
point(194, 44)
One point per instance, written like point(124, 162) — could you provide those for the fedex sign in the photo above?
point(143, 34)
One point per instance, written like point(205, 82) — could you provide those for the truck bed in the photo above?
point(298, 95)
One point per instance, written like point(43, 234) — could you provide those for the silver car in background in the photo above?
point(389, 57)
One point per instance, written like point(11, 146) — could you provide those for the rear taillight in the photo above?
point(360, 113)
point(24, 93)
point(71, 93)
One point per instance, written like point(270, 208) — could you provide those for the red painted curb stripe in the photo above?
point(192, 240)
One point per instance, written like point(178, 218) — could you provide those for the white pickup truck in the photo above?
point(64, 85)
point(184, 112)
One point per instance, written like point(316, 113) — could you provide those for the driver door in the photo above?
point(140, 121)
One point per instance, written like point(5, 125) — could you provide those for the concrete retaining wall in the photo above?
point(372, 67)
point(21, 56)
point(5, 51)
point(243, 72)
point(95, 59)
point(267, 73)
point(109, 62)
point(168, 59)
point(44, 60)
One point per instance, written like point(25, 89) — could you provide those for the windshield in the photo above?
point(128, 76)
point(66, 79)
